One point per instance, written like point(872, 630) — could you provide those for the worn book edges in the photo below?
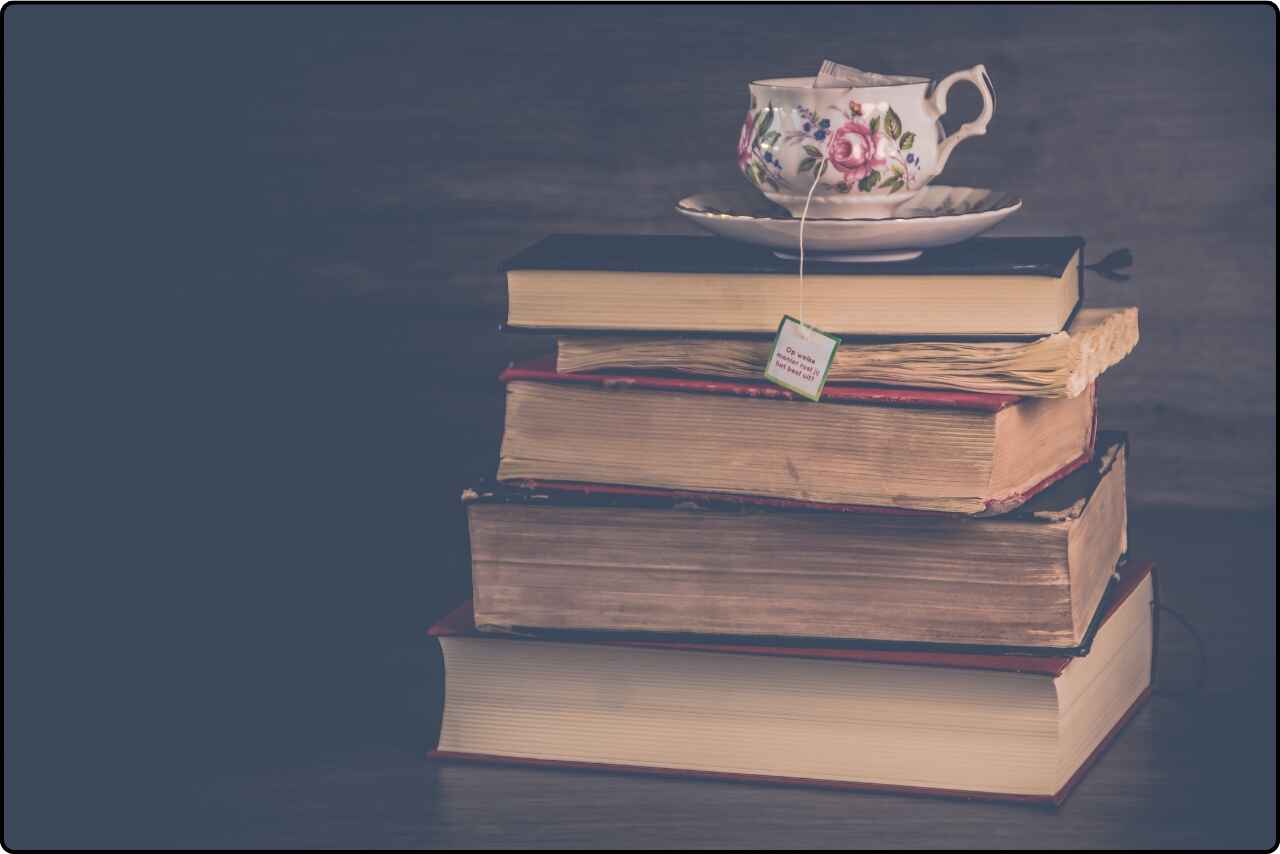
point(1009, 727)
point(920, 449)
point(662, 561)
point(1059, 365)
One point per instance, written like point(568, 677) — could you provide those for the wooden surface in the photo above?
point(251, 293)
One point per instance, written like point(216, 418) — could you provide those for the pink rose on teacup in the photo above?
point(856, 150)
point(744, 142)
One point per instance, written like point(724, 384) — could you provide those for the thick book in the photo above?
point(665, 562)
point(1017, 286)
point(1059, 365)
point(859, 446)
point(1015, 727)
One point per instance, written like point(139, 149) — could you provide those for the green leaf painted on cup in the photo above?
point(813, 151)
point(892, 124)
point(807, 164)
point(875, 124)
point(908, 140)
point(765, 122)
point(868, 183)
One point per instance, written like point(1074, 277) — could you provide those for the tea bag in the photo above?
point(833, 75)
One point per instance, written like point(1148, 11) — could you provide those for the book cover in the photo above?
point(1016, 287)
point(665, 253)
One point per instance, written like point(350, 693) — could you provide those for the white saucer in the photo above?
point(936, 216)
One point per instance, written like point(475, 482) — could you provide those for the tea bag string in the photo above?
point(804, 215)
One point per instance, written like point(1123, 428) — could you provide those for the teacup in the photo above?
point(882, 143)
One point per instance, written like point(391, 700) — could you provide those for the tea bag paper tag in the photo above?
point(833, 75)
point(801, 357)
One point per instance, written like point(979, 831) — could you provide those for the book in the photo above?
point(1025, 286)
point(667, 563)
point(1059, 365)
point(947, 451)
point(1018, 727)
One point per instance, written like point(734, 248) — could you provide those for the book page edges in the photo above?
point(543, 370)
point(1053, 800)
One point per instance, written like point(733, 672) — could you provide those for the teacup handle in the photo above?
point(978, 77)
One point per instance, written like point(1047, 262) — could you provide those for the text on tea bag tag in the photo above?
point(801, 357)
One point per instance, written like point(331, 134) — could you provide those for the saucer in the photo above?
point(936, 216)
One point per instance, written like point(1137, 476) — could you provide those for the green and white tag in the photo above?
point(801, 357)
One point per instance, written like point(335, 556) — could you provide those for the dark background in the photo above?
point(251, 286)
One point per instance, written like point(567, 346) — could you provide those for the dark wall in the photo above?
point(369, 167)
point(251, 288)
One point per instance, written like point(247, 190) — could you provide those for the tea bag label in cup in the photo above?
point(833, 75)
point(801, 357)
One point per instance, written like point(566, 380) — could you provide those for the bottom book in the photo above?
point(983, 725)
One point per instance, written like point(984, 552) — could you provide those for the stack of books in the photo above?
point(918, 582)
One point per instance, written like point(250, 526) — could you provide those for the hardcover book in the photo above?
point(1027, 286)
point(946, 451)
point(1018, 727)
point(661, 561)
point(1059, 365)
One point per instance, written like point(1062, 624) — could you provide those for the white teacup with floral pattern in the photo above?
point(882, 143)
